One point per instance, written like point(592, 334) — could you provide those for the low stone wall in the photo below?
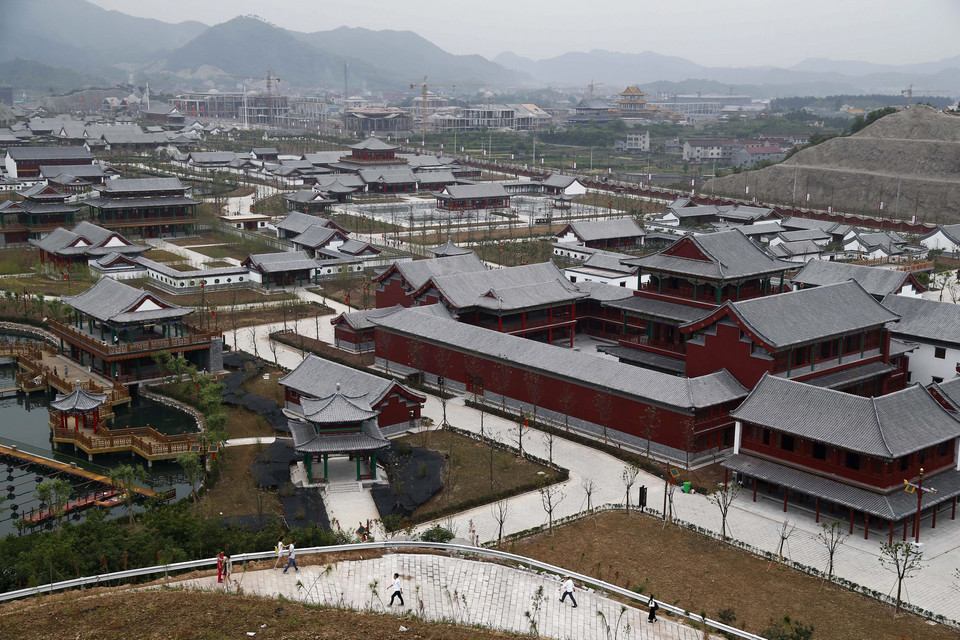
point(170, 402)
point(28, 331)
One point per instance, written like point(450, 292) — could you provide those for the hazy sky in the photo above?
point(709, 32)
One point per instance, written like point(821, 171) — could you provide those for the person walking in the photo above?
point(227, 571)
point(653, 610)
point(220, 567)
point(397, 590)
point(292, 562)
point(567, 589)
point(281, 547)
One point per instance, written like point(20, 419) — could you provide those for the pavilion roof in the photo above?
point(78, 400)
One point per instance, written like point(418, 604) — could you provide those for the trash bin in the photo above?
point(686, 487)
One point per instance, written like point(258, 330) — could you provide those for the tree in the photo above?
point(443, 360)
point(253, 341)
point(549, 439)
point(601, 400)
point(723, 497)
point(651, 424)
point(550, 497)
point(589, 487)
point(192, 469)
point(629, 478)
point(273, 349)
point(521, 430)
point(831, 536)
point(500, 510)
point(566, 399)
point(55, 494)
point(501, 380)
point(784, 531)
point(689, 437)
point(415, 349)
point(534, 385)
point(383, 341)
point(904, 559)
point(126, 477)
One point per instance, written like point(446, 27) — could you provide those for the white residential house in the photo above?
point(935, 328)
point(945, 237)
point(636, 142)
point(604, 267)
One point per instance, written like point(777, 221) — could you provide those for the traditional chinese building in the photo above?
point(339, 410)
point(399, 280)
point(282, 269)
point(468, 197)
point(24, 163)
point(116, 329)
point(83, 243)
point(147, 207)
point(848, 455)
point(41, 211)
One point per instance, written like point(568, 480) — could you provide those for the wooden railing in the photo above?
point(32, 369)
point(153, 344)
point(145, 441)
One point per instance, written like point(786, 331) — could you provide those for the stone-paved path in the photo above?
point(445, 588)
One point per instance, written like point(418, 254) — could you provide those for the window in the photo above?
point(940, 353)
point(853, 461)
point(766, 436)
point(819, 451)
point(240, 278)
point(904, 463)
point(573, 279)
point(623, 284)
point(942, 449)
point(217, 281)
point(786, 442)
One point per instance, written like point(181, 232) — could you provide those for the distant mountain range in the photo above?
point(104, 47)
point(816, 76)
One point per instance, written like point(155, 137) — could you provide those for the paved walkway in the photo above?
point(444, 588)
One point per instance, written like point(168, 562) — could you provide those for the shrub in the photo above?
point(436, 533)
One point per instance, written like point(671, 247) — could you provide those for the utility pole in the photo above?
point(909, 487)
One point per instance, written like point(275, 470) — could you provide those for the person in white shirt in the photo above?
point(292, 562)
point(397, 590)
point(567, 590)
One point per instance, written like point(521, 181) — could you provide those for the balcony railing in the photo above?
point(645, 343)
point(152, 344)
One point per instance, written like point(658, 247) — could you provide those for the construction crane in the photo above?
point(910, 90)
point(423, 105)
point(592, 85)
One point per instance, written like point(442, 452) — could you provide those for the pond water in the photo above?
point(24, 423)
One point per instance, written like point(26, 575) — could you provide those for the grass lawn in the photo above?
point(48, 286)
point(222, 251)
point(175, 613)
point(269, 388)
point(18, 260)
point(159, 255)
point(217, 264)
point(250, 317)
point(469, 478)
point(236, 493)
point(362, 225)
point(698, 574)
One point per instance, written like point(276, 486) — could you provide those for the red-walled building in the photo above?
point(399, 280)
point(832, 336)
point(848, 455)
point(320, 378)
point(534, 301)
point(610, 400)
point(685, 281)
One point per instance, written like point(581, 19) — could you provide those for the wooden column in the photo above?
point(756, 481)
point(818, 511)
point(891, 533)
point(851, 520)
point(936, 508)
point(786, 494)
point(866, 525)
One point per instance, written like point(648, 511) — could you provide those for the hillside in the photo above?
point(919, 148)
point(29, 75)
point(407, 57)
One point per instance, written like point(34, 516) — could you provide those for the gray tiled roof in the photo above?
point(374, 144)
point(353, 247)
point(743, 212)
point(417, 272)
point(604, 292)
point(507, 289)
point(323, 157)
point(436, 177)
point(49, 153)
point(337, 409)
point(360, 320)
point(448, 249)
point(660, 309)
point(892, 506)
point(853, 375)
point(795, 248)
point(281, 261)
point(315, 236)
point(888, 427)
point(952, 231)
point(307, 195)
point(809, 315)
point(298, 222)
point(78, 400)
point(924, 319)
point(556, 362)
point(607, 229)
point(319, 378)
point(126, 203)
point(134, 185)
point(388, 176)
point(76, 170)
point(761, 228)
point(479, 190)
point(950, 390)
point(307, 440)
point(110, 300)
point(59, 240)
point(804, 234)
point(558, 181)
point(876, 281)
point(609, 261)
point(731, 255)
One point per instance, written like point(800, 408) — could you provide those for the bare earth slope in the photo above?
point(917, 148)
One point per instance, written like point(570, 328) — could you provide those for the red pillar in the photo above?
point(755, 483)
point(866, 525)
point(851, 520)
point(500, 323)
point(905, 521)
point(936, 508)
point(891, 532)
point(953, 515)
point(523, 320)
point(818, 511)
point(786, 494)
point(726, 474)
